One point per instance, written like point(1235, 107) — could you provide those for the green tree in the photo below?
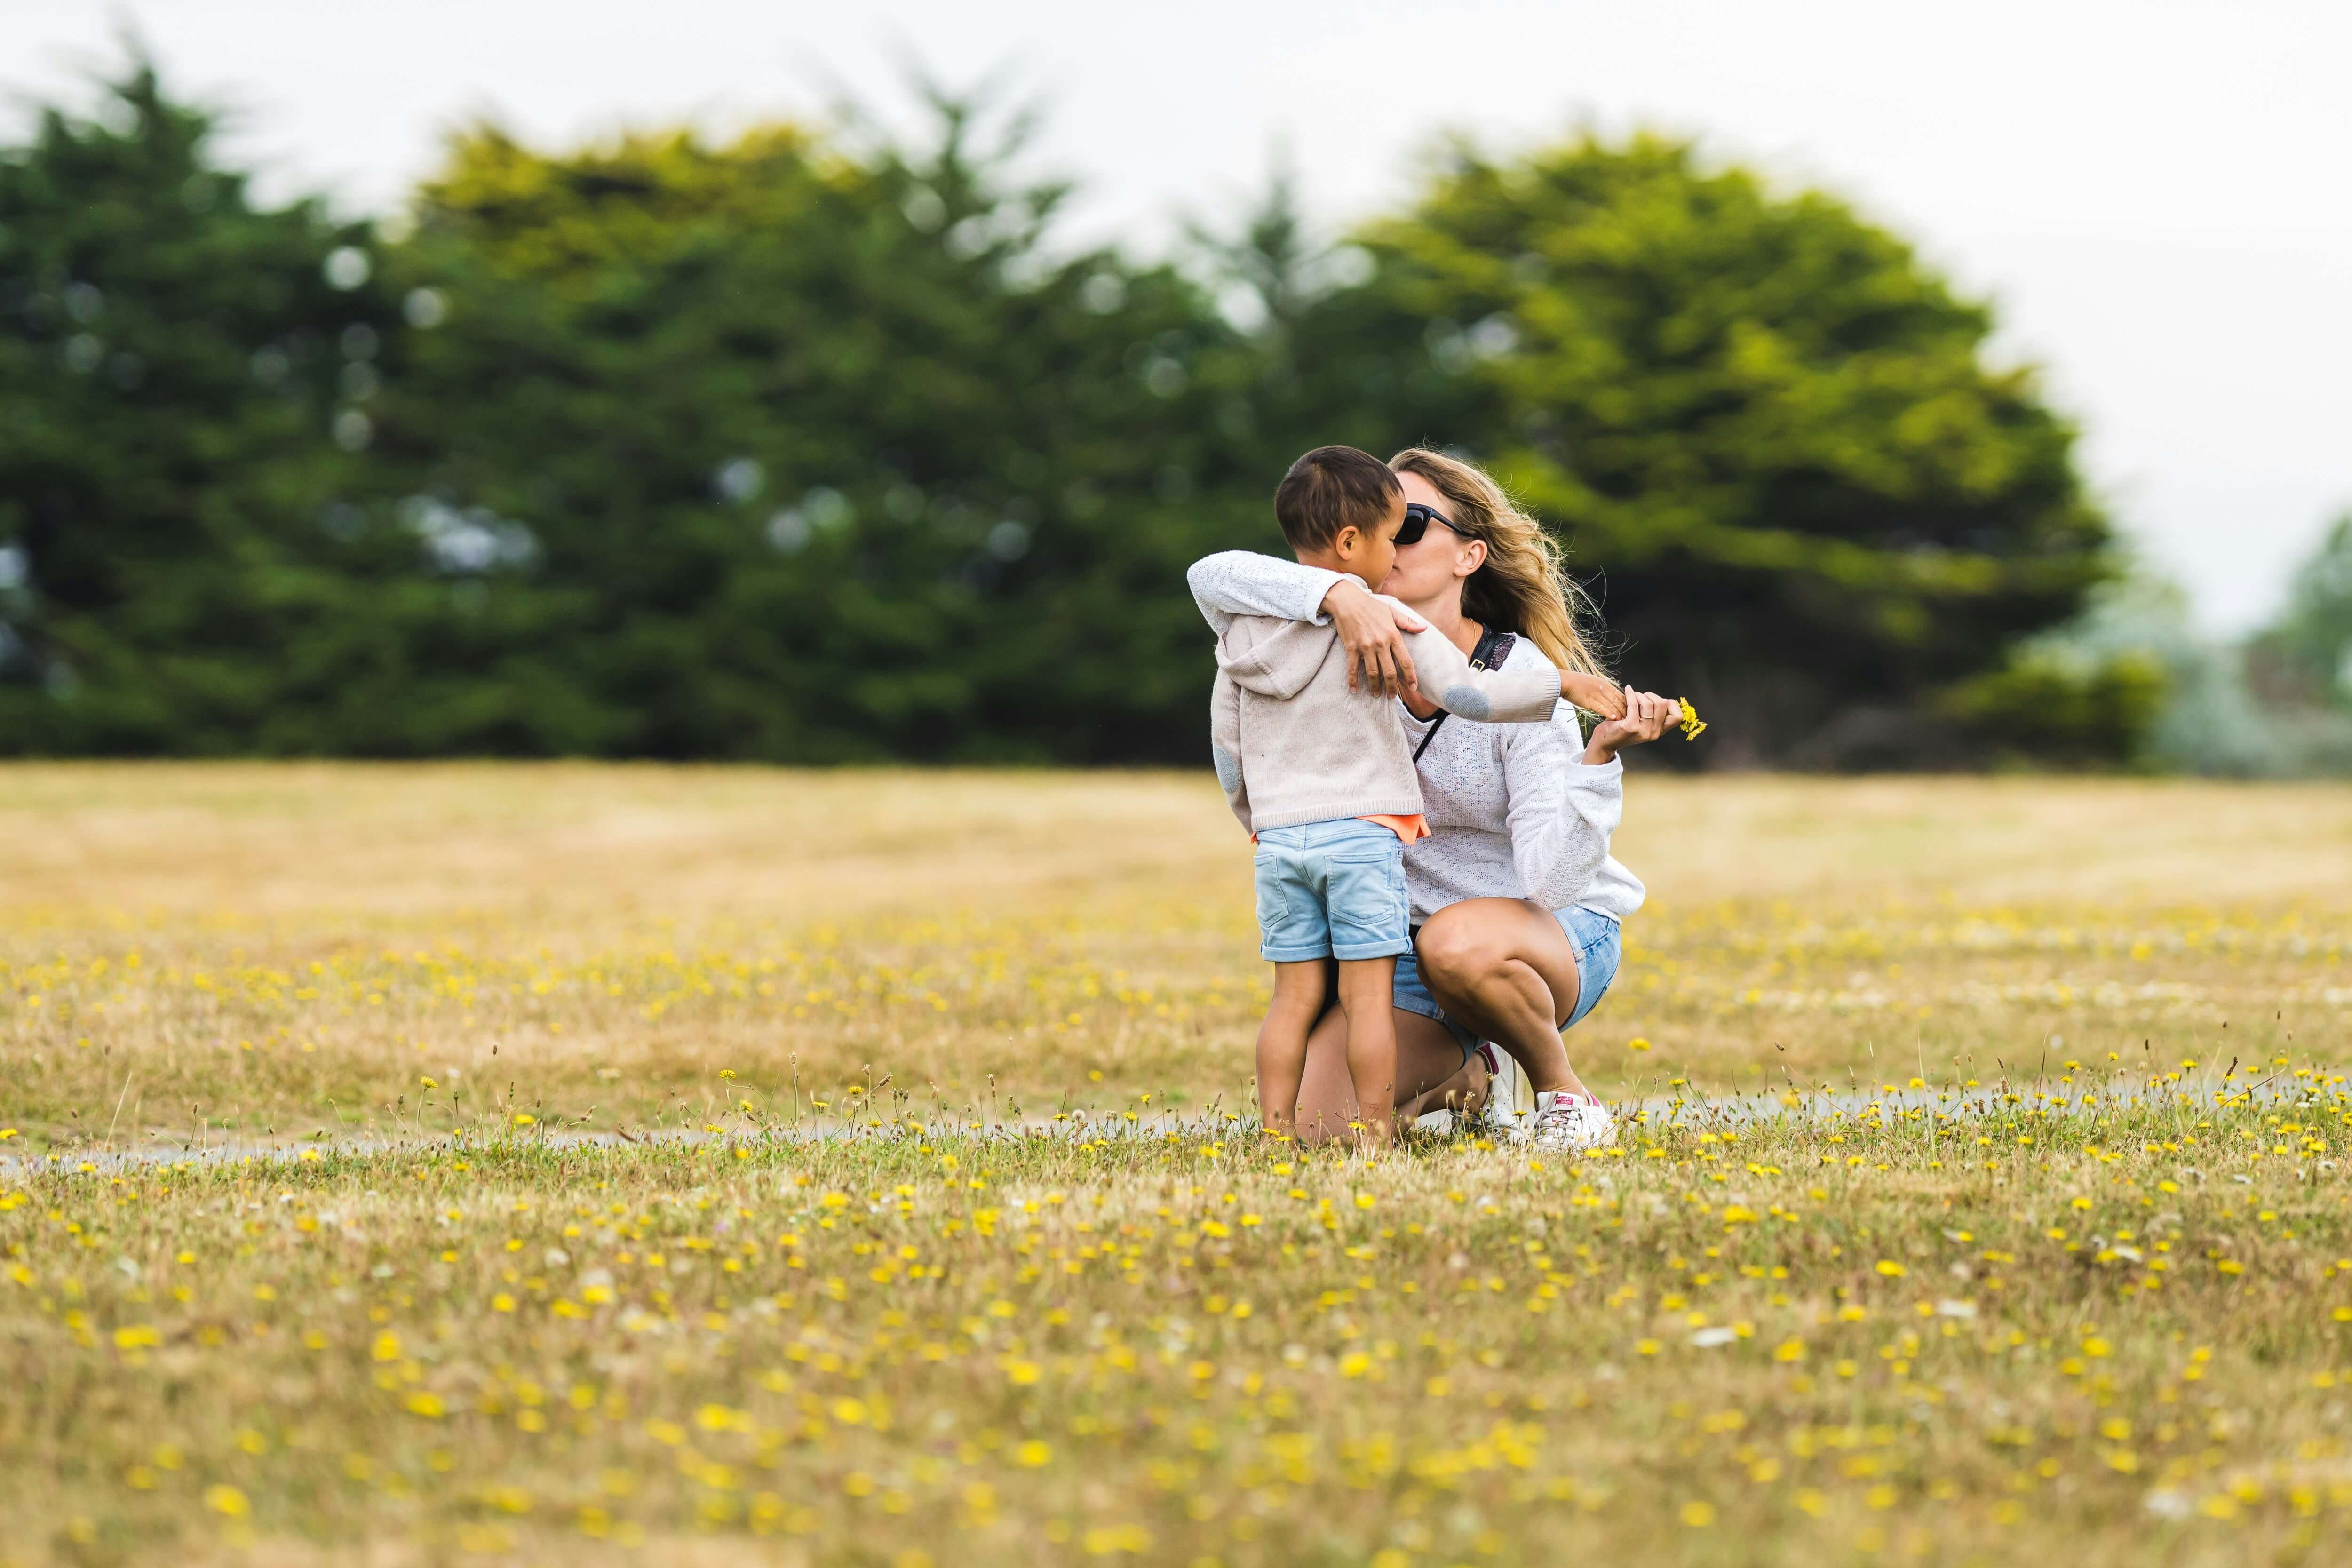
point(1767, 431)
point(807, 448)
point(2307, 651)
point(821, 454)
point(176, 367)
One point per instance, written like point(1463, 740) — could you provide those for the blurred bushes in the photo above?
point(2306, 655)
point(2048, 706)
point(807, 450)
point(2227, 709)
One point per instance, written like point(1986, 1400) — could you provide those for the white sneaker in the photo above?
point(1571, 1123)
point(1491, 1118)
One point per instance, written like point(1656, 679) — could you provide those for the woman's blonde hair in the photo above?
point(1521, 587)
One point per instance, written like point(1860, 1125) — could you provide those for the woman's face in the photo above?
point(1430, 571)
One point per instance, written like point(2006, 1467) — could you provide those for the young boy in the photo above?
point(1322, 778)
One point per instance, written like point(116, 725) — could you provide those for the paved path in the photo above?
point(1735, 1111)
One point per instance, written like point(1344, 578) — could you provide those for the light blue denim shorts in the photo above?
point(1331, 889)
point(1599, 945)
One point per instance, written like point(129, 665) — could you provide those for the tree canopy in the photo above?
point(809, 448)
point(1767, 429)
point(175, 365)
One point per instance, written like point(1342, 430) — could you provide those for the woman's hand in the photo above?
point(1647, 716)
point(1372, 633)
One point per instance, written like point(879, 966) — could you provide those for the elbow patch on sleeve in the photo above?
point(1468, 701)
point(1229, 768)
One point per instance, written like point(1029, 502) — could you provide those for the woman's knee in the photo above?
point(1453, 954)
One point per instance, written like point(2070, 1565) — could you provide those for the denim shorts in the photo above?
point(1331, 889)
point(1598, 943)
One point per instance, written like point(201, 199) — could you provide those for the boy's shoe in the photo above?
point(1571, 1123)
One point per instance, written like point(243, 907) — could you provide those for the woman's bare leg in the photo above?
point(1428, 1064)
point(1504, 970)
point(1463, 1094)
point(1327, 1095)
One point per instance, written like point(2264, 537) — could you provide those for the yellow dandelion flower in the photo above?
point(1131, 1539)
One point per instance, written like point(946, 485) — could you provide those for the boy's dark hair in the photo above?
point(1329, 489)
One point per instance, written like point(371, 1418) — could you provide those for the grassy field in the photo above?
point(2044, 1245)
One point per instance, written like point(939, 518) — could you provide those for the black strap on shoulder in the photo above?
point(1494, 647)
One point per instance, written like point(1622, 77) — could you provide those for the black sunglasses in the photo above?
point(1417, 519)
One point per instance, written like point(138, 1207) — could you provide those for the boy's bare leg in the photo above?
point(1366, 994)
point(1298, 990)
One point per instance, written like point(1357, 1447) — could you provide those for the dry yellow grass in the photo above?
point(2103, 1313)
point(575, 841)
point(312, 934)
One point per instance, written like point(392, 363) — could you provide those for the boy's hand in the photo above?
point(1592, 693)
point(1372, 633)
point(1647, 716)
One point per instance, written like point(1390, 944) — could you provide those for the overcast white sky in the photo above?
point(2157, 194)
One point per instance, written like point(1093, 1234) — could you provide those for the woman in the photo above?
point(1515, 901)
